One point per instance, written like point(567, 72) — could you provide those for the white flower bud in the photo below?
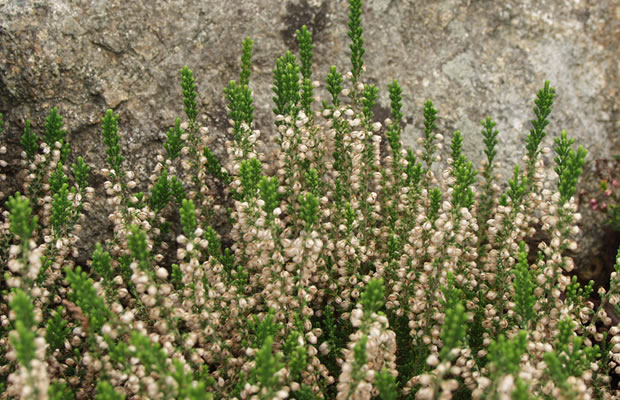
point(162, 273)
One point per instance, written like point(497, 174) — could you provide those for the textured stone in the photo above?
point(473, 58)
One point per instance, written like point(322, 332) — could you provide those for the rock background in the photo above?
point(472, 57)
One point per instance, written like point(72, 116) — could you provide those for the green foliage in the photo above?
point(138, 245)
point(505, 355)
point(119, 352)
point(161, 193)
point(454, 329)
point(308, 209)
point(85, 296)
point(463, 195)
point(250, 174)
point(569, 166)
point(215, 167)
point(186, 387)
point(177, 277)
point(313, 181)
point(105, 391)
point(81, 172)
point(386, 383)
point(430, 116)
point(394, 248)
point(101, 263)
point(23, 223)
point(414, 170)
point(544, 101)
point(54, 132)
point(517, 188)
point(174, 142)
point(373, 297)
point(177, 190)
point(241, 110)
point(295, 355)
point(369, 98)
point(189, 94)
point(246, 62)
point(349, 215)
point(355, 34)
point(23, 341)
point(304, 39)
point(215, 249)
point(435, 197)
point(489, 134)
point(490, 141)
point(57, 331)
point(569, 357)
point(453, 295)
point(524, 284)
point(58, 179)
point(188, 217)
point(150, 354)
point(267, 364)
point(61, 208)
point(263, 329)
point(268, 188)
point(286, 85)
point(394, 129)
point(111, 138)
point(334, 85)
point(577, 295)
point(359, 361)
point(29, 142)
point(521, 391)
point(60, 391)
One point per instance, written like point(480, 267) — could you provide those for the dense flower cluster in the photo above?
point(352, 268)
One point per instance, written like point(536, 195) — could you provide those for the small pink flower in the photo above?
point(614, 183)
point(603, 206)
point(607, 192)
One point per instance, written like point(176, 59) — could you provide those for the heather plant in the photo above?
point(348, 272)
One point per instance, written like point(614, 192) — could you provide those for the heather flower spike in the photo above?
point(328, 264)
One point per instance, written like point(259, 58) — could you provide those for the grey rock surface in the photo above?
point(473, 58)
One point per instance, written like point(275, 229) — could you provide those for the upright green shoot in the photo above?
point(357, 43)
point(304, 39)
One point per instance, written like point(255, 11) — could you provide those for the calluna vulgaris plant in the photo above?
point(355, 271)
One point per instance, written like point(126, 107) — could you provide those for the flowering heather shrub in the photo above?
point(354, 272)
